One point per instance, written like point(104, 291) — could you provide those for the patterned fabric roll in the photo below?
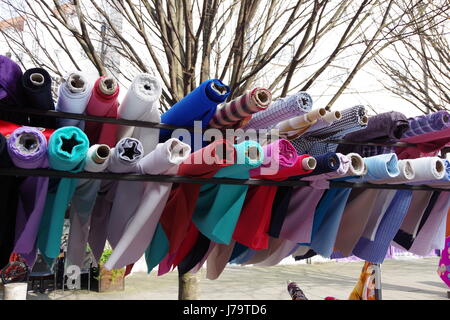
point(428, 123)
point(281, 109)
point(229, 114)
point(353, 119)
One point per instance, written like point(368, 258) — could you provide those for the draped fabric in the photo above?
point(73, 96)
point(241, 108)
point(27, 148)
point(176, 217)
point(281, 109)
point(82, 204)
point(103, 103)
point(139, 230)
point(67, 149)
point(198, 105)
point(8, 198)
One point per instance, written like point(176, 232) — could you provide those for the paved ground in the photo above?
point(402, 280)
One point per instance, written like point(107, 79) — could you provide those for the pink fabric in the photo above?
point(277, 155)
point(102, 105)
point(428, 144)
point(444, 263)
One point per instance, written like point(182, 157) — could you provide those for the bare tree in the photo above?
point(418, 66)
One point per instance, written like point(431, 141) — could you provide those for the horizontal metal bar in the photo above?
point(180, 179)
point(381, 144)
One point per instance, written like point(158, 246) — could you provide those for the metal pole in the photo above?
point(378, 294)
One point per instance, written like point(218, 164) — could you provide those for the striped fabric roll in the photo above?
point(352, 119)
point(230, 113)
point(281, 109)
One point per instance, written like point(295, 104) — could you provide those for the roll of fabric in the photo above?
point(73, 96)
point(27, 148)
point(176, 217)
point(67, 149)
point(428, 123)
point(219, 206)
point(37, 85)
point(9, 194)
point(375, 251)
point(11, 91)
point(281, 109)
point(103, 103)
point(141, 103)
point(254, 222)
point(327, 120)
point(139, 230)
point(301, 122)
point(353, 119)
point(198, 105)
point(331, 207)
point(231, 113)
point(304, 200)
point(384, 127)
point(82, 204)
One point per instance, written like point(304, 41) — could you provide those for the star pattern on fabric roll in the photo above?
point(130, 152)
point(69, 144)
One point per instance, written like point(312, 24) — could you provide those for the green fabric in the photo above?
point(157, 249)
point(67, 149)
point(219, 205)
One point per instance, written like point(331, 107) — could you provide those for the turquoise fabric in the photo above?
point(157, 249)
point(219, 205)
point(67, 149)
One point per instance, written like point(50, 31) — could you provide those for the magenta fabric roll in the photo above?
point(278, 154)
point(428, 144)
point(27, 148)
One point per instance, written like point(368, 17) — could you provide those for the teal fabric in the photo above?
point(219, 205)
point(67, 149)
point(157, 249)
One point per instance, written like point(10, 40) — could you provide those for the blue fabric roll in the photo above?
point(199, 105)
point(67, 149)
point(375, 251)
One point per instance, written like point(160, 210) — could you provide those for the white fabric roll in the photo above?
point(97, 158)
point(136, 233)
point(141, 102)
point(73, 96)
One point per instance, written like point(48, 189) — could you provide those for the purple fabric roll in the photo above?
point(11, 90)
point(428, 123)
point(27, 148)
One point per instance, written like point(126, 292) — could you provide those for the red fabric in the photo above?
point(187, 245)
point(102, 105)
point(253, 225)
point(176, 218)
point(428, 144)
point(6, 128)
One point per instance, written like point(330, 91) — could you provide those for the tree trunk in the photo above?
point(188, 286)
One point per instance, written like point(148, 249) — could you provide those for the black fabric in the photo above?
point(279, 210)
point(9, 197)
point(195, 255)
point(39, 97)
point(311, 253)
point(406, 239)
